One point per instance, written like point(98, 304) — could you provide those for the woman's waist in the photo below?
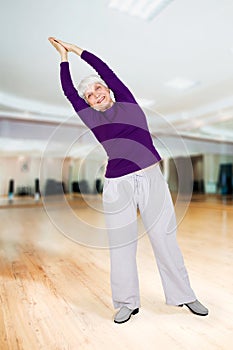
point(129, 172)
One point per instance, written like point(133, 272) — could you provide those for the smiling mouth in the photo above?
point(101, 99)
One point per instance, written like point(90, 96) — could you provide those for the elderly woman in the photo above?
point(133, 180)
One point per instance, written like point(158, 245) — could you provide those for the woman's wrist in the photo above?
point(77, 50)
point(64, 57)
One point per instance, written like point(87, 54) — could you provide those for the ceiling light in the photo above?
point(145, 9)
point(182, 83)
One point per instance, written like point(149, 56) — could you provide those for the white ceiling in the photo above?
point(189, 39)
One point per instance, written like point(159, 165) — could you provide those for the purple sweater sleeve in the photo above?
point(69, 90)
point(121, 92)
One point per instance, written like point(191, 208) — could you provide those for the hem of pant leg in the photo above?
point(181, 301)
point(130, 306)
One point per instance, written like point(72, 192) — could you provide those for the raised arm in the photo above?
point(121, 92)
point(60, 48)
point(67, 46)
point(66, 81)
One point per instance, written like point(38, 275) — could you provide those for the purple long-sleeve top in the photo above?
point(122, 129)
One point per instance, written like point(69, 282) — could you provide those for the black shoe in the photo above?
point(124, 314)
point(196, 308)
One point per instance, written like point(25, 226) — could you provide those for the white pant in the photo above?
point(148, 191)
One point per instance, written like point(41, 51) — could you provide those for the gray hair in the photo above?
point(88, 81)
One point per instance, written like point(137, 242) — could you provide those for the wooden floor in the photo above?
point(55, 294)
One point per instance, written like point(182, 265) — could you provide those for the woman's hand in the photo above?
point(60, 48)
point(67, 46)
point(63, 48)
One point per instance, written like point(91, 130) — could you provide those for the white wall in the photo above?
point(24, 171)
point(211, 169)
point(206, 168)
point(90, 170)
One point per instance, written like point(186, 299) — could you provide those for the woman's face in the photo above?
point(98, 97)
